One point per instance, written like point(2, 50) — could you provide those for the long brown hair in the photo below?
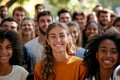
point(48, 72)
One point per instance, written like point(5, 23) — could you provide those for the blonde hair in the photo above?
point(21, 31)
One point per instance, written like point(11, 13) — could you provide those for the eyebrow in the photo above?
point(55, 34)
point(106, 47)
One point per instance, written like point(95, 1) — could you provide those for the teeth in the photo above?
point(57, 45)
point(107, 62)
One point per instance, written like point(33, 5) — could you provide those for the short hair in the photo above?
point(19, 8)
point(10, 19)
point(102, 11)
point(78, 13)
point(39, 5)
point(44, 13)
point(3, 6)
point(63, 11)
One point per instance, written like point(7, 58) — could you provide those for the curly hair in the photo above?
point(14, 39)
point(92, 48)
point(48, 72)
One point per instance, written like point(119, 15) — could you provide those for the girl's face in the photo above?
point(58, 39)
point(117, 25)
point(91, 30)
point(5, 51)
point(107, 55)
point(93, 18)
point(27, 27)
point(74, 33)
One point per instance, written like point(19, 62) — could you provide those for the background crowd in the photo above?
point(72, 46)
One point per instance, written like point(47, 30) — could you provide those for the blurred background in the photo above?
point(55, 5)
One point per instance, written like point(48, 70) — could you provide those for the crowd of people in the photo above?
point(76, 46)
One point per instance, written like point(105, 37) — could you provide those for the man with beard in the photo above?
point(36, 45)
point(3, 12)
point(103, 20)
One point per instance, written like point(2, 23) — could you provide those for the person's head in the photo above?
point(27, 28)
point(19, 14)
point(3, 11)
point(58, 41)
point(44, 19)
point(103, 17)
point(79, 17)
point(39, 8)
point(116, 23)
point(103, 53)
point(97, 8)
point(75, 33)
point(91, 29)
point(10, 47)
point(113, 16)
point(10, 23)
point(91, 18)
point(64, 15)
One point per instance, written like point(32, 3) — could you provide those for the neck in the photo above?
point(5, 69)
point(106, 74)
point(26, 38)
point(42, 39)
point(61, 56)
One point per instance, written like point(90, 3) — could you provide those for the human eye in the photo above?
point(52, 36)
point(12, 27)
point(75, 32)
point(114, 51)
point(103, 51)
point(8, 47)
point(49, 21)
point(62, 36)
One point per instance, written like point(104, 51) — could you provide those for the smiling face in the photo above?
point(5, 51)
point(65, 17)
point(27, 27)
point(58, 39)
point(43, 23)
point(12, 25)
point(74, 33)
point(91, 30)
point(107, 55)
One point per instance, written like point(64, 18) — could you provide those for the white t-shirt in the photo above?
point(17, 73)
point(36, 49)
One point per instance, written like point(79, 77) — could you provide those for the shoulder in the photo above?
point(31, 42)
point(19, 69)
point(75, 59)
point(38, 65)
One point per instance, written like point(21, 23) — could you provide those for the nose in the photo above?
point(58, 39)
point(108, 54)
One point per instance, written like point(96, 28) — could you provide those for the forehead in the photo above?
point(5, 41)
point(57, 30)
point(45, 17)
point(108, 43)
point(104, 13)
point(19, 12)
point(3, 8)
point(10, 23)
point(65, 14)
